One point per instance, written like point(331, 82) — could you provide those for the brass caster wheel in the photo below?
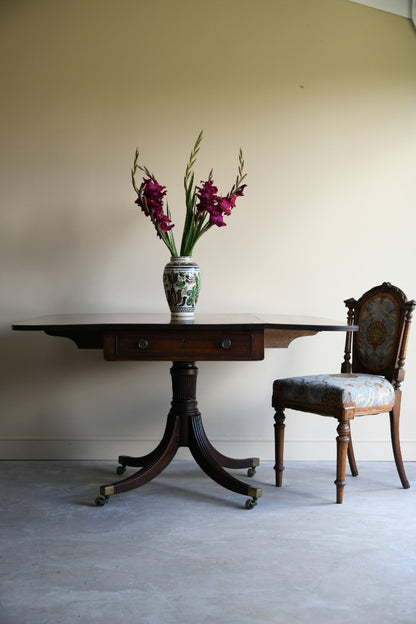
point(251, 502)
point(101, 500)
point(120, 470)
point(251, 472)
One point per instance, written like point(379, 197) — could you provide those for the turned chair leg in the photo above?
point(343, 439)
point(279, 437)
point(395, 441)
point(351, 458)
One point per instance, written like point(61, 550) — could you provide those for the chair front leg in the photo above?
point(279, 437)
point(343, 440)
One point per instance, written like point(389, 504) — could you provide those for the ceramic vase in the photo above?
point(182, 282)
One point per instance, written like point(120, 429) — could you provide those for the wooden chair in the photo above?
point(368, 384)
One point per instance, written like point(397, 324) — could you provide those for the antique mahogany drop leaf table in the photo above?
point(153, 337)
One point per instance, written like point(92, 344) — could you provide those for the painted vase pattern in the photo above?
point(182, 283)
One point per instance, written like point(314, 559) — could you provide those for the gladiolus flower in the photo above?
point(150, 199)
point(204, 207)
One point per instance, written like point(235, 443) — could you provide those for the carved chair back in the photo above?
point(383, 315)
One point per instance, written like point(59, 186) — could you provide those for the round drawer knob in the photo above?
point(143, 343)
point(226, 343)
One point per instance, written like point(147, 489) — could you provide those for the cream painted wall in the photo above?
point(321, 96)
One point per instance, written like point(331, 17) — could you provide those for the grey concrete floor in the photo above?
point(181, 549)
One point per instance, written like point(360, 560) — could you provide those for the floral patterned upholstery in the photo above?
point(336, 390)
point(378, 321)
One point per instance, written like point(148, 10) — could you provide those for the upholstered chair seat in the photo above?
point(369, 382)
point(371, 393)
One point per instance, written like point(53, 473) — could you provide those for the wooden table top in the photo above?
point(114, 321)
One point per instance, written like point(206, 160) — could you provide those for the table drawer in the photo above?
point(174, 345)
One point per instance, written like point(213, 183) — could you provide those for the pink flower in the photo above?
point(207, 196)
point(150, 199)
point(204, 207)
point(216, 218)
point(225, 204)
point(213, 204)
point(239, 192)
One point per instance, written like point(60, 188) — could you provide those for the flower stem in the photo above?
point(188, 242)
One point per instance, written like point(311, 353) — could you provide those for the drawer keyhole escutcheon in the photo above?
point(143, 343)
point(226, 343)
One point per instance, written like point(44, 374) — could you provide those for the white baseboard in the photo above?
point(108, 449)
